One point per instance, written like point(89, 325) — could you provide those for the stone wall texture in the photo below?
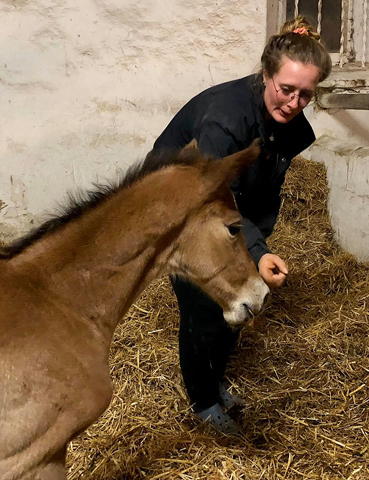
point(348, 201)
point(87, 86)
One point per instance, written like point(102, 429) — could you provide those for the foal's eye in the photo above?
point(234, 230)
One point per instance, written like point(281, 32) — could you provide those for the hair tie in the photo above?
point(301, 31)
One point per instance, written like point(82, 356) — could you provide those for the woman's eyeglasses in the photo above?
point(286, 96)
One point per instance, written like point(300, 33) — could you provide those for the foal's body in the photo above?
point(63, 294)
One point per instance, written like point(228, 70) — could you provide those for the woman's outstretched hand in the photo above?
point(273, 270)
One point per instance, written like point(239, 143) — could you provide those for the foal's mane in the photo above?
point(81, 202)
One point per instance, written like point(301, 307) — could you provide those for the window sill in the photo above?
point(346, 88)
point(350, 76)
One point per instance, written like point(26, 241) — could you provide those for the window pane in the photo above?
point(331, 19)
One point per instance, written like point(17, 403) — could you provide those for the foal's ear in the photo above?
point(242, 160)
point(193, 144)
point(224, 170)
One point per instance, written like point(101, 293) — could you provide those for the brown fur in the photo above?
point(65, 287)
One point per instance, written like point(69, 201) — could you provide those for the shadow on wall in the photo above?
point(352, 124)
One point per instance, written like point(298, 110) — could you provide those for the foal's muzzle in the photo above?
point(249, 303)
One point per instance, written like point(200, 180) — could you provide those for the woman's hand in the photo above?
point(273, 270)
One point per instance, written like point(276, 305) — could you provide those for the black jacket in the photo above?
point(226, 118)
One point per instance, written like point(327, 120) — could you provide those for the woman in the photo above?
point(224, 119)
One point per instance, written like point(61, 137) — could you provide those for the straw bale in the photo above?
point(303, 370)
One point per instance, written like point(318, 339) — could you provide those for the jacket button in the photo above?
point(284, 159)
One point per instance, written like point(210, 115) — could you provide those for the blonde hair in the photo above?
point(298, 41)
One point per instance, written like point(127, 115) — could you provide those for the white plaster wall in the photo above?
point(343, 141)
point(343, 146)
point(348, 201)
point(350, 126)
point(87, 86)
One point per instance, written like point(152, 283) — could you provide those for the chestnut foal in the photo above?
point(65, 286)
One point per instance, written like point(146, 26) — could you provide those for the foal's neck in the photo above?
point(97, 265)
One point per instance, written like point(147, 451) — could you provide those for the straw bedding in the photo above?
point(303, 370)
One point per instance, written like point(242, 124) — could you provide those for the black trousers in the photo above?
point(205, 343)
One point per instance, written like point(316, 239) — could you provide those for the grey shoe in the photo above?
point(221, 421)
point(227, 400)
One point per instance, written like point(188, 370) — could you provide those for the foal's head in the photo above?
point(211, 250)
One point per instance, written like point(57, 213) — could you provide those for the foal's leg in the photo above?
point(53, 470)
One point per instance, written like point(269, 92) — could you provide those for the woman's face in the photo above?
point(290, 89)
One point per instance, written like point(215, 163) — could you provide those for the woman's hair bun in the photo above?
point(302, 26)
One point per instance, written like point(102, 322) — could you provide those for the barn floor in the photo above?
point(303, 371)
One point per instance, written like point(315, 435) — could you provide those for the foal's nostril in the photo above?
point(249, 312)
point(266, 298)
